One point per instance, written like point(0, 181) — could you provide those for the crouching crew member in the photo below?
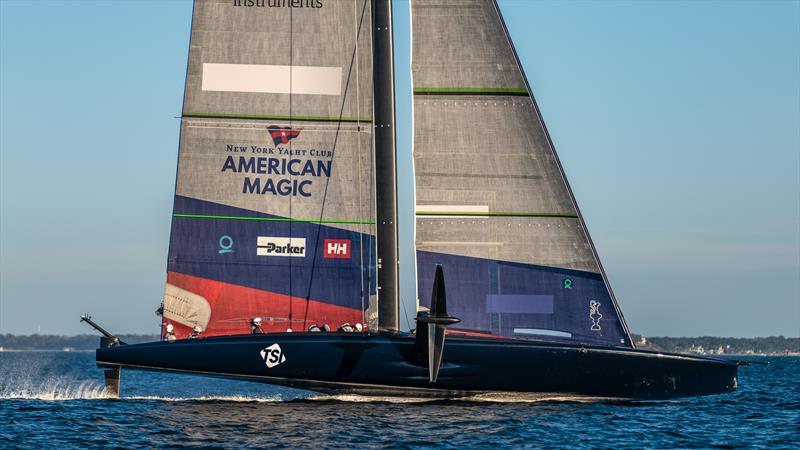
point(169, 335)
point(255, 327)
point(196, 332)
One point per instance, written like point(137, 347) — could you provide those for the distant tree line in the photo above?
point(712, 344)
point(53, 342)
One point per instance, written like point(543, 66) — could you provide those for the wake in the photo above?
point(61, 390)
point(55, 390)
point(94, 391)
point(494, 397)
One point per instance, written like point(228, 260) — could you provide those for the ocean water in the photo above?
point(56, 400)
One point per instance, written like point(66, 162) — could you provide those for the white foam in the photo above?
point(354, 398)
point(211, 398)
point(494, 397)
point(56, 391)
point(524, 397)
point(92, 391)
point(59, 390)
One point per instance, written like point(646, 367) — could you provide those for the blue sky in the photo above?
point(678, 124)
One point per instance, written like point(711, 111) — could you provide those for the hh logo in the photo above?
point(273, 355)
point(282, 135)
point(337, 248)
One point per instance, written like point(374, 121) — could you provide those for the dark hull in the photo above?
point(392, 365)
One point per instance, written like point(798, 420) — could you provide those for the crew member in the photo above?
point(345, 328)
point(314, 329)
point(169, 336)
point(255, 327)
point(196, 332)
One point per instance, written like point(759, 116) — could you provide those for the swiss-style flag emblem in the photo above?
point(336, 248)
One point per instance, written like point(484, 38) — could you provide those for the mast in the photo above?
point(385, 164)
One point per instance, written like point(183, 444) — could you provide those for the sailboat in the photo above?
point(285, 219)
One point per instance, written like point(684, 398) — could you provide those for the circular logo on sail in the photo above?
point(225, 244)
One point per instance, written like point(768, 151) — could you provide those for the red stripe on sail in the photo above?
point(233, 306)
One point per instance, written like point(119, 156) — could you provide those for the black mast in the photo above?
point(385, 164)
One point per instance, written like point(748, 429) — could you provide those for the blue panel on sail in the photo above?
point(493, 297)
point(243, 248)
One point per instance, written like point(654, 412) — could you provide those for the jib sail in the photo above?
point(274, 202)
point(492, 203)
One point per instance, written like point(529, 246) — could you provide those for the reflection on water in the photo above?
point(56, 399)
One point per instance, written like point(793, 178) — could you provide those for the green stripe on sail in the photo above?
point(496, 214)
point(470, 90)
point(258, 117)
point(273, 219)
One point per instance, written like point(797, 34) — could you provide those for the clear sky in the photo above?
point(678, 124)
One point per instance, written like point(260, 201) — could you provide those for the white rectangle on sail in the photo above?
point(281, 246)
point(542, 332)
point(453, 208)
point(272, 79)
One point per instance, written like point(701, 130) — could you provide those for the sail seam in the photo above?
point(273, 219)
point(522, 92)
point(278, 117)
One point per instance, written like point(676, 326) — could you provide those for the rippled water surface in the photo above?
point(55, 399)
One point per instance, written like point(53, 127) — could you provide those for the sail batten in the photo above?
point(470, 91)
point(337, 119)
point(522, 264)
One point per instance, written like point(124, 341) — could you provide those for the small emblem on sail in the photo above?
point(281, 246)
point(594, 314)
point(282, 135)
point(336, 248)
point(225, 244)
point(273, 355)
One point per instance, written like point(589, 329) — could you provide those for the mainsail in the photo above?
point(274, 210)
point(492, 203)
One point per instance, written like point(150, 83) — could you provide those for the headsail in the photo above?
point(274, 204)
point(492, 203)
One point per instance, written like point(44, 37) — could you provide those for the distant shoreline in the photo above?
point(49, 342)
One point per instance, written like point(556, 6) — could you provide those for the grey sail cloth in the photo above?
point(492, 203)
point(239, 61)
point(274, 210)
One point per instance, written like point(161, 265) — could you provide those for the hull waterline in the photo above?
point(392, 365)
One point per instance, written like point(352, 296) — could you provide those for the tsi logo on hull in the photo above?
point(336, 248)
point(281, 246)
point(273, 355)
